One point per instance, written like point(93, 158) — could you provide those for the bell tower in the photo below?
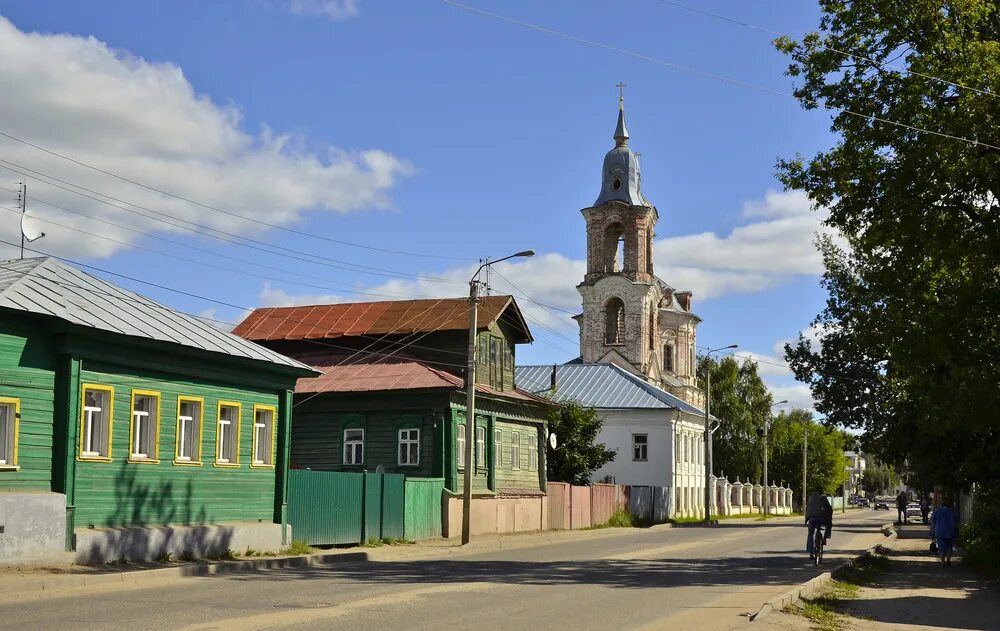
point(620, 292)
point(630, 317)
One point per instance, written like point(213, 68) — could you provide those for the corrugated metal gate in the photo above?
point(422, 514)
point(331, 507)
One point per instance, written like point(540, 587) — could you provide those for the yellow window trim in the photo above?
point(131, 426)
point(17, 426)
point(274, 435)
point(201, 431)
point(83, 418)
point(218, 432)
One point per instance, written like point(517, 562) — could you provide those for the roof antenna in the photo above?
point(29, 231)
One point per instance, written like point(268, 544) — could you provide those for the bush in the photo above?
point(622, 519)
point(981, 547)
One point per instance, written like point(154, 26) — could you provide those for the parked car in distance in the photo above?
point(863, 502)
point(881, 503)
point(913, 510)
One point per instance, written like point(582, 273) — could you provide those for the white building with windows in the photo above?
point(658, 437)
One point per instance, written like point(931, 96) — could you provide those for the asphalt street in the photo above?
point(677, 578)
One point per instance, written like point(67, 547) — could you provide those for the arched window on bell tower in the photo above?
point(668, 358)
point(614, 248)
point(614, 322)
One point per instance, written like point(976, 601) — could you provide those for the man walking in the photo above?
point(901, 501)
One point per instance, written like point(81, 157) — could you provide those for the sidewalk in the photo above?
point(914, 592)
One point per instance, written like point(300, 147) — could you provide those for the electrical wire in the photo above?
point(214, 233)
point(221, 210)
point(709, 75)
point(876, 62)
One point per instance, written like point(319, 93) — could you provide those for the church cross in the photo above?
point(621, 91)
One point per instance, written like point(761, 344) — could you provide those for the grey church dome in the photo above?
point(620, 176)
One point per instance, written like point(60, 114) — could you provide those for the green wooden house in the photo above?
point(391, 396)
point(128, 429)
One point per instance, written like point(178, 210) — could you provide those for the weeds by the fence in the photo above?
point(387, 541)
point(297, 547)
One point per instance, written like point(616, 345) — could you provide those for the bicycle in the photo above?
point(818, 544)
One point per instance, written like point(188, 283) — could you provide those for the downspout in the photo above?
point(73, 368)
point(286, 450)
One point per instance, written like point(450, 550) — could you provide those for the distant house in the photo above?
point(391, 396)
point(128, 429)
point(658, 436)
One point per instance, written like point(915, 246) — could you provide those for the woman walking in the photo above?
point(943, 530)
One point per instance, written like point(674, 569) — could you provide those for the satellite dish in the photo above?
point(552, 440)
point(30, 228)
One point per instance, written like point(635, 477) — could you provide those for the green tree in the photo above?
point(826, 465)
point(742, 403)
point(912, 322)
point(578, 454)
point(879, 479)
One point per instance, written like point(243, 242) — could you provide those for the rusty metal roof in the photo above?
point(47, 286)
point(395, 317)
point(363, 372)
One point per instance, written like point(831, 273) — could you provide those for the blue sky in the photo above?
point(418, 126)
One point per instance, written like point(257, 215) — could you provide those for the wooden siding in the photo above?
point(139, 493)
point(498, 374)
point(507, 477)
point(27, 373)
point(318, 437)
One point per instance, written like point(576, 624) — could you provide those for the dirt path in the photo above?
point(914, 592)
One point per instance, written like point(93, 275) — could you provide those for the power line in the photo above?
point(709, 75)
point(259, 245)
point(880, 64)
point(221, 210)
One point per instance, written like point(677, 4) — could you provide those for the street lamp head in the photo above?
point(779, 403)
point(525, 253)
point(732, 346)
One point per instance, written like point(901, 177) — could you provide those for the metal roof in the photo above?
point(392, 317)
point(49, 287)
point(599, 386)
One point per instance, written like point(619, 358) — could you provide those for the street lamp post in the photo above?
point(470, 395)
point(767, 489)
point(708, 433)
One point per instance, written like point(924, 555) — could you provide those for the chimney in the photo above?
point(552, 379)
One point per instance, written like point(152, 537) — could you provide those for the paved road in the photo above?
point(637, 579)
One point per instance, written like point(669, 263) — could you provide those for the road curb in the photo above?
point(27, 584)
point(793, 595)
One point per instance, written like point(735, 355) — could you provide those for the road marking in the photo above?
point(288, 616)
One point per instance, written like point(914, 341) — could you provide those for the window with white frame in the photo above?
point(145, 408)
point(460, 445)
point(263, 436)
point(532, 453)
point(409, 446)
point(354, 446)
point(480, 446)
point(189, 430)
point(8, 432)
point(497, 447)
point(96, 438)
point(640, 447)
point(515, 450)
point(229, 430)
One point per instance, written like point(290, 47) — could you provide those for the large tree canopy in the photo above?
point(742, 403)
point(826, 465)
point(912, 323)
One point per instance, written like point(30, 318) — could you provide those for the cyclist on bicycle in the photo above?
point(819, 514)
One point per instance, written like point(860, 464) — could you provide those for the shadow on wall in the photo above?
point(150, 522)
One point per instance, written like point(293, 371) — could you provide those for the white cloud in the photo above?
point(778, 204)
point(332, 9)
point(276, 297)
point(798, 396)
point(143, 120)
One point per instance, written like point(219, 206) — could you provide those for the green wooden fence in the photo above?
point(422, 511)
point(334, 507)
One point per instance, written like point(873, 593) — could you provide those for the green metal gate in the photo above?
point(334, 507)
point(423, 508)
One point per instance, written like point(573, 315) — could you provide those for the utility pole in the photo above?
point(708, 432)
point(470, 395)
point(805, 456)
